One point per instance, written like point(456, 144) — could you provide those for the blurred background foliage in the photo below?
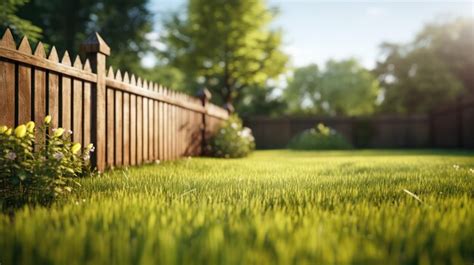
point(226, 46)
point(435, 68)
point(232, 48)
point(342, 88)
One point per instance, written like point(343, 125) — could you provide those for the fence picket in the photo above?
point(130, 120)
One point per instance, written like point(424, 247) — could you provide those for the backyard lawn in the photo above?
point(275, 207)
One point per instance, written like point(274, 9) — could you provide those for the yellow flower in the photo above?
point(20, 131)
point(47, 119)
point(75, 148)
point(30, 126)
point(58, 132)
point(3, 129)
point(9, 131)
point(89, 146)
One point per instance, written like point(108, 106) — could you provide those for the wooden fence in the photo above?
point(446, 127)
point(130, 121)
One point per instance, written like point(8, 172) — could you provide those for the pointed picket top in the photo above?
point(204, 94)
point(126, 79)
point(87, 66)
point(139, 82)
point(25, 46)
point(110, 73)
point(53, 55)
point(7, 40)
point(95, 43)
point(156, 87)
point(39, 50)
point(145, 84)
point(66, 59)
point(77, 63)
point(133, 80)
point(118, 76)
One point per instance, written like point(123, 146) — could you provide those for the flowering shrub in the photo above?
point(319, 138)
point(36, 166)
point(232, 140)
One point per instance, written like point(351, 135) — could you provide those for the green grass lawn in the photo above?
point(275, 207)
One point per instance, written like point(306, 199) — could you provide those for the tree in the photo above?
point(124, 24)
point(452, 42)
point(167, 76)
point(433, 69)
point(342, 88)
point(258, 101)
point(224, 45)
point(302, 93)
point(20, 26)
point(415, 81)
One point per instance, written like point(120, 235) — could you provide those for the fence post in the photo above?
point(205, 95)
point(230, 109)
point(97, 51)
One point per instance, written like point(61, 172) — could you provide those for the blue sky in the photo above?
point(315, 31)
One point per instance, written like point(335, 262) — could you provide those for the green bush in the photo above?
point(319, 138)
point(232, 140)
point(38, 165)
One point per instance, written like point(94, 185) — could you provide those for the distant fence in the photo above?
point(447, 127)
point(130, 121)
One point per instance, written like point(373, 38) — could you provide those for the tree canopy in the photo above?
point(9, 18)
point(341, 88)
point(124, 25)
point(433, 69)
point(226, 46)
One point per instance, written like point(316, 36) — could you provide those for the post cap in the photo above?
point(95, 43)
point(228, 106)
point(204, 94)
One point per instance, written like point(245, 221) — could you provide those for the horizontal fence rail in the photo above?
point(130, 121)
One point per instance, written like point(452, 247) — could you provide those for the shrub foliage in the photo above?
point(37, 165)
point(232, 140)
point(320, 137)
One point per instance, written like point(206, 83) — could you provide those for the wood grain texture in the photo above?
point(87, 114)
point(139, 130)
point(77, 110)
point(40, 96)
point(23, 107)
point(161, 131)
point(151, 125)
point(133, 130)
point(47, 64)
point(126, 129)
point(7, 89)
point(110, 131)
point(53, 99)
point(130, 120)
point(66, 103)
point(118, 128)
point(156, 131)
point(166, 141)
point(156, 96)
point(145, 130)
